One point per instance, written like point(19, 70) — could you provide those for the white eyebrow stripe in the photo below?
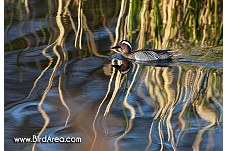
point(127, 43)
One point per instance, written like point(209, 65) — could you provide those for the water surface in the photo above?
point(59, 82)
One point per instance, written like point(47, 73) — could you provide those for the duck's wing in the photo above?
point(164, 54)
point(160, 51)
point(146, 55)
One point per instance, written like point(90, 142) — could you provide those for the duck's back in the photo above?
point(150, 55)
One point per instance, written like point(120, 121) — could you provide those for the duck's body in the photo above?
point(148, 55)
point(142, 55)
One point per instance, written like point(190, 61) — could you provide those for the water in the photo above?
point(54, 89)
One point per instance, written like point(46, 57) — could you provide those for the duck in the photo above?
point(141, 55)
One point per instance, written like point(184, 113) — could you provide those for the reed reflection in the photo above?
point(181, 98)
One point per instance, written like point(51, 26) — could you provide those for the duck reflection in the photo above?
point(124, 67)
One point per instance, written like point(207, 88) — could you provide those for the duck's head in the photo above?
point(125, 47)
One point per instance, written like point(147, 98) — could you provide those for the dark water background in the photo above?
point(55, 89)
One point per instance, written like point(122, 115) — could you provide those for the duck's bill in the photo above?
point(115, 47)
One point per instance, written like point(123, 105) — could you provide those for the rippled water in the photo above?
point(58, 90)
